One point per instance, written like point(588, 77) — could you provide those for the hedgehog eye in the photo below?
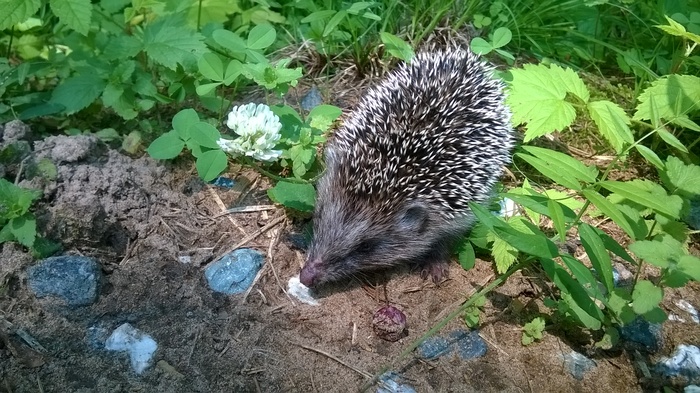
point(367, 246)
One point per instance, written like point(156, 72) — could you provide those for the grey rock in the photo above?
point(74, 279)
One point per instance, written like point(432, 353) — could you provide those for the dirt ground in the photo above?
point(155, 226)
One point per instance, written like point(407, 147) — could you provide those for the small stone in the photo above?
point(312, 99)
point(389, 323)
point(467, 343)
point(234, 272)
point(74, 279)
point(139, 345)
point(641, 332)
point(685, 362)
point(15, 130)
point(577, 364)
point(687, 307)
point(223, 182)
point(391, 382)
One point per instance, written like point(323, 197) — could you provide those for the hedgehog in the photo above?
point(432, 136)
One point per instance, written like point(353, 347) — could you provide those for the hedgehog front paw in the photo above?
point(437, 271)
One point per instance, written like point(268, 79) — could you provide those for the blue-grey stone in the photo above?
point(643, 333)
point(577, 364)
point(467, 344)
point(75, 279)
point(223, 182)
point(685, 362)
point(391, 382)
point(234, 272)
point(139, 345)
point(312, 99)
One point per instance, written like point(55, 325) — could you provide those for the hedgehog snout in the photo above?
point(310, 273)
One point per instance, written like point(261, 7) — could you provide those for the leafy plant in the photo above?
point(472, 313)
point(498, 39)
point(18, 223)
point(532, 331)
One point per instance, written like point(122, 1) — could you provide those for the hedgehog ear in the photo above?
point(414, 218)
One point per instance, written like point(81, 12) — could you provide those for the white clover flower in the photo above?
point(258, 131)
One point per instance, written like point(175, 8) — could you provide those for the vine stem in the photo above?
point(459, 311)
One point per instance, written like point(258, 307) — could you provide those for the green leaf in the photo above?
point(685, 178)
point(466, 255)
point(183, 121)
point(650, 156)
point(76, 14)
point(556, 212)
point(323, 116)
point(79, 91)
point(504, 255)
point(534, 244)
point(24, 229)
point(690, 265)
point(501, 37)
point(333, 22)
point(677, 29)
point(671, 139)
point(537, 97)
point(261, 36)
point(166, 146)
point(205, 89)
point(16, 11)
point(669, 205)
point(619, 303)
point(559, 167)
point(317, 16)
point(233, 70)
point(534, 329)
point(480, 46)
point(661, 253)
point(230, 40)
point(609, 209)
point(211, 66)
point(597, 253)
point(294, 195)
point(574, 295)
point(613, 123)
point(397, 47)
point(205, 135)
point(674, 97)
point(302, 158)
point(584, 276)
point(540, 204)
point(171, 46)
point(210, 164)
point(646, 296)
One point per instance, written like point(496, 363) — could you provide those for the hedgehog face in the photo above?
point(348, 241)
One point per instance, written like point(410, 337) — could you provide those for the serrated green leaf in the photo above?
point(690, 265)
point(15, 11)
point(559, 167)
point(672, 97)
point(79, 91)
point(537, 97)
point(171, 46)
point(646, 296)
point(534, 328)
point(76, 14)
point(609, 209)
point(166, 146)
point(210, 164)
point(23, 228)
point(619, 303)
point(677, 29)
point(574, 295)
point(211, 66)
point(685, 178)
point(540, 204)
point(261, 36)
point(669, 205)
point(294, 195)
point(397, 47)
point(662, 253)
point(504, 255)
point(597, 253)
point(584, 276)
point(302, 158)
point(613, 123)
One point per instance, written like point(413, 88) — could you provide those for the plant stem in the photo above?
point(459, 311)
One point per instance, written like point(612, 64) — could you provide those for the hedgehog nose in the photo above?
point(309, 273)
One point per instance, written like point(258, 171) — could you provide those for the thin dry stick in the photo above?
point(246, 209)
point(270, 256)
point(222, 206)
point(254, 235)
point(353, 368)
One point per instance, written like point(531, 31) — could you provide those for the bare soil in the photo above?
point(155, 226)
